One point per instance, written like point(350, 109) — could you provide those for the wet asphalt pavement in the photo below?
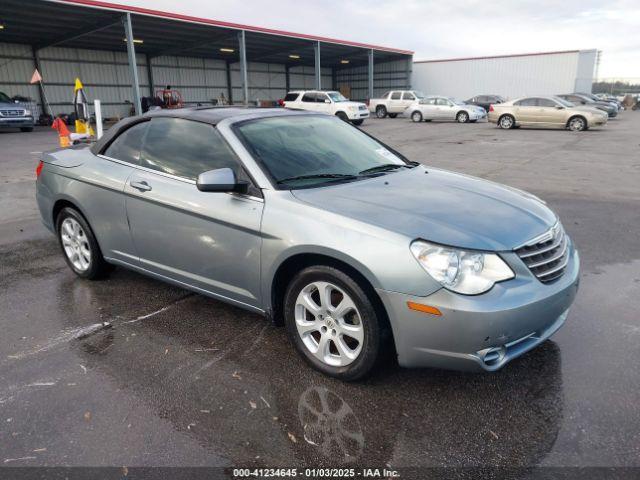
point(179, 379)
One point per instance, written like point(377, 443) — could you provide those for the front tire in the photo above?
point(79, 245)
point(357, 122)
point(381, 111)
point(342, 116)
point(577, 124)
point(26, 129)
point(393, 115)
point(462, 117)
point(416, 116)
point(506, 122)
point(332, 323)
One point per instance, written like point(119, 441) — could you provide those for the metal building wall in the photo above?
point(512, 77)
point(386, 76)
point(301, 78)
point(199, 80)
point(105, 75)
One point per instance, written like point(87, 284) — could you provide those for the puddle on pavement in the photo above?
point(205, 383)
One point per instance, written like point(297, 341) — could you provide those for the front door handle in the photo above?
point(141, 186)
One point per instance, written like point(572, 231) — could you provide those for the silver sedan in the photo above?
point(433, 107)
point(320, 227)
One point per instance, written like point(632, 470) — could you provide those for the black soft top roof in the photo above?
point(211, 115)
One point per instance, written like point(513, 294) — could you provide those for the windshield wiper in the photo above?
point(336, 176)
point(387, 167)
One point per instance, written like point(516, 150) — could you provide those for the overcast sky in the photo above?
point(446, 29)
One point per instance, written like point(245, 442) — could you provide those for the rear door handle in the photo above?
point(141, 186)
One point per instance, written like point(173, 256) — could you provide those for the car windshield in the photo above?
point(4, 98)
point(307, 151)
point(455, 102)
point(418, 94)
point(337, 97)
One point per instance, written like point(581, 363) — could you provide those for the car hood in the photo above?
point(438, 206)
point(4, 105)
point(350, 104)
point(587, 108)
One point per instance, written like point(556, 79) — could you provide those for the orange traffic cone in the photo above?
point(63, 132)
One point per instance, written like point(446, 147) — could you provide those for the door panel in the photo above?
point(395, 102)
point(103, 203)
point(209, 240)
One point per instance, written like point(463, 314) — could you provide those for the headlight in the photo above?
point(461, 271)
point(27, 113)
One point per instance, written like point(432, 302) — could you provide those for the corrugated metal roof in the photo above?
point(219, 23)
point(497, 56)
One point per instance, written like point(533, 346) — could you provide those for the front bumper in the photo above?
point(358, 114)
point(477, 115)
point(482, 332)
point(16, 122)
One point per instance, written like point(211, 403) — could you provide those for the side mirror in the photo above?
point(221, 180)
point(326, 100)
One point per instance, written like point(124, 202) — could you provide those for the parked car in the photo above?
point(333, 103)
point(550, 112)
point(605, 97)
point(301, 217)
point(485, 101)
point(14, 114)
point(434, 107)
point(578, 99)
point(393, 102)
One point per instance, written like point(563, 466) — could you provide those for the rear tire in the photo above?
point(393, 115)
point(343, 356)
point(416, 116)
point(79, 245)
point(26, 129)
point(381, 111)
point(342, 116)
point(506, 122)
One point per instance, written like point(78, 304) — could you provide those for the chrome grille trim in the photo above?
point(547, 255)
point(13, 112)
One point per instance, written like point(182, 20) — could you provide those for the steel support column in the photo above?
point(150, 76)
point(43, 98)
point(287, 78)
point(133, 67)
point(316, 51)
point(229, 86)
point(370, 78)
point(243, 66)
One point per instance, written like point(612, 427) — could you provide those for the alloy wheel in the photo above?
point(576, 124)
point(463, 117)
point(76, 244)
point(506, 122)
point(329, 323)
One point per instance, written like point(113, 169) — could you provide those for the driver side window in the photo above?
point(443, 102)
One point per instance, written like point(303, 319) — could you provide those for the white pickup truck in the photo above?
point(330, 102)
point(393, 102)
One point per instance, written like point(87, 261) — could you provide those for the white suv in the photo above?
point(394, 102)
point(333, 103)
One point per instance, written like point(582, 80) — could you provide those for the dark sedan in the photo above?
point(485, 101)
point(581, 99)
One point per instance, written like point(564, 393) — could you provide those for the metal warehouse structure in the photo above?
point(508, 75)
point(122, 53)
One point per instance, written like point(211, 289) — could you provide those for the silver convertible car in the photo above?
point(313, 223)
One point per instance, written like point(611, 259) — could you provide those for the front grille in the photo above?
point(547, 256)
point(12, 113)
